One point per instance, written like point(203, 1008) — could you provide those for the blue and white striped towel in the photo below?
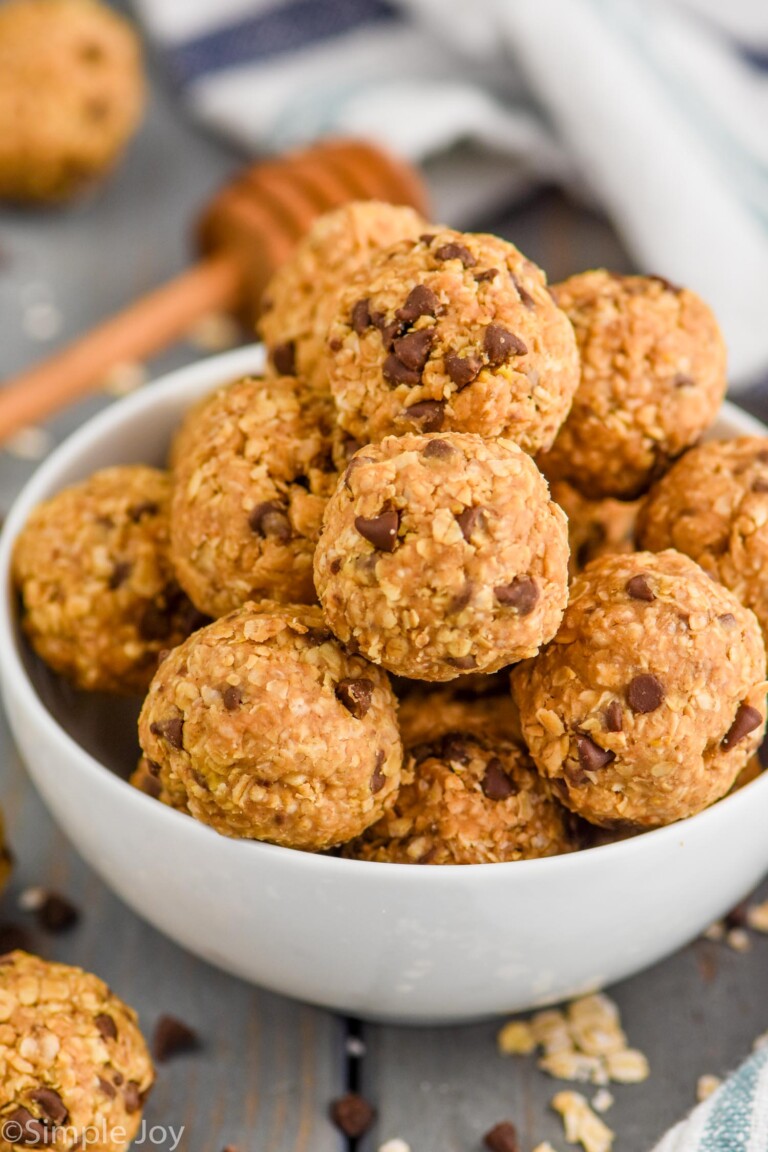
point(655, 109)
point(732, 1119)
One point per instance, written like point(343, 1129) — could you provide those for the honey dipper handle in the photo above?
point(215, 284)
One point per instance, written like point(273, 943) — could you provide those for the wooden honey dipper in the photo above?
point(245, 233)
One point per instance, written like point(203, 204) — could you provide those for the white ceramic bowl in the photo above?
point(397, 942)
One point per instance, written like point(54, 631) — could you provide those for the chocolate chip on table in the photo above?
point(231, 698)
point(171, 730)
point(499, 345)
point(428, 414)
point(20, 1127)
point(421, 301)
point(523, 293)
point(462, 370)
point(463, 663)
point(270, 520)
point(638, 588)
point(284, 358)
point(50, 1103)
point(381, 530)
point(361, 316)
point(438, 450)
point(413, 348)
point(355, 694)
point(378, 779)
point(396, 372)
point(172, 1037)
point(496, 784)
point(455, 251)
point(470, 520)
point(502, 1138)
point(57, 914)
point(106, 1026)
point(119, 575)
point(522, 593)
point(352, 1115)
point(645, 693)
point(614, 717)
point(591, 756)
point(747, 720)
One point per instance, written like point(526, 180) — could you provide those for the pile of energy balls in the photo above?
point(328, 593)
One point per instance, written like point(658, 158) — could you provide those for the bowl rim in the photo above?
point(212, 372)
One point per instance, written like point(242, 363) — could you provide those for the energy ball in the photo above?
point(298, 303)
point(265, 728)
point(71, 95)
point(100, 600)
point(249, 492)
point(713, 506)
point(652, 380)
point(595, 527)
point(452, 332)
point(72, 1059)
point(468, 798)
point(443, 554)
point(651, 698)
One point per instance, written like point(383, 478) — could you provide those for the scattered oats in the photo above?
point(760, 1041)
point(715, 931)
point(215, 332)
point(706, 1086)
point(602, 1100)
point(594, 1025)
point(30, 443)
point(355, 1047)
point(576, 1066)
point(516, 1038)
point(32, 899)
point(581, 1124)
point(124, 377)
point(757, 916)
point(395, 1145)
point(41, 321)
point(550, 1031)
point(627, 1067)
point(738, 939)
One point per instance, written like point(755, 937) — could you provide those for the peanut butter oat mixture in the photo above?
point(265, 728)
point(451, 332)
point(713, 506)
point(443, 554)
point(652, 380)
point(651, 698)
point(250, 486)
point(595, 527)
point(72, 1059)
point(100, 599)
point(299, 301)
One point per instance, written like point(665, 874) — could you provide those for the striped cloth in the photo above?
point(732, 1119)
point(655, 110)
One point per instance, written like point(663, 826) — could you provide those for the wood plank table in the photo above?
point(269, 1066)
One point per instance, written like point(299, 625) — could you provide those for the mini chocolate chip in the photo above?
point(171, 730)
point(683, 381)
point(352, 1115)
point(614, 717)
point(502, 1138)
point(132, 1097)
point(496, 784)
point(172, 1037)
point(421, 301)
point(453, 747)
point(499, 345)
point(463, 663)
point(107, 1088)
point(760, 484)
point(381, 530)
point(428, 414)
point(318, 636)
point(270, 520)
point(645, 693)
point(470, 520)
point(361, 316)
point(389, 332)
point(106, 1026)
point(21, 1127)
point(727, 619)
point(414, 348)
point(487, 274)
point(523, 293)
point(438, 450)
point(51, 1104)
point(522, 593)
point(592, 756)
point(57, 914)
point(455, 251)
point(335, 344)
point(147, 508)
point(395, 372)
point(153, 767)
point(378, 779)
point(284, 358)
point(462, 598)
point(231, 698)
point(355, 695)
point(427, 237)
point(117, 1078)
point(462, 370)
point(746, 721)
point(120, 574)
point(638, 588)
point(335, 566)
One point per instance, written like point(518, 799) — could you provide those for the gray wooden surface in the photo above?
point(269, 1067)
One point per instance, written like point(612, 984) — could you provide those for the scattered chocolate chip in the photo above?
point(355, 695)
point(414, 348)
point(496, 784)
point(171, 730)
point(57, 914)
point(107, 1088)
point(614, 717)
point(120, 574)
point(172, 1037)
point(49, 1102)
point(645, 693)
point(20, 1127)
point(638, 588)
point(15, 938)
point(462, 370)
point(361, 316)
point(395, 372)
point(106, 1026)
point(470, 520)
point(486, 274)
point(592, 756)
point(284, 358)
point(428, 414)
point(746, 721)
point(147, 508)
point(352, 1115)
point(455, 251)
point(421, 301)
point(231, 698)
point(523, 293)
point(727, 619)
point(522, 593)
point(502, 1138)
point(499, 345)
point(132, 1097)
point(463, 663)
point(270, 520)
point(438, 450)
point(381, 530)
point(378, 779)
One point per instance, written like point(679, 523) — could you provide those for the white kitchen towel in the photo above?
point(657, 110)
